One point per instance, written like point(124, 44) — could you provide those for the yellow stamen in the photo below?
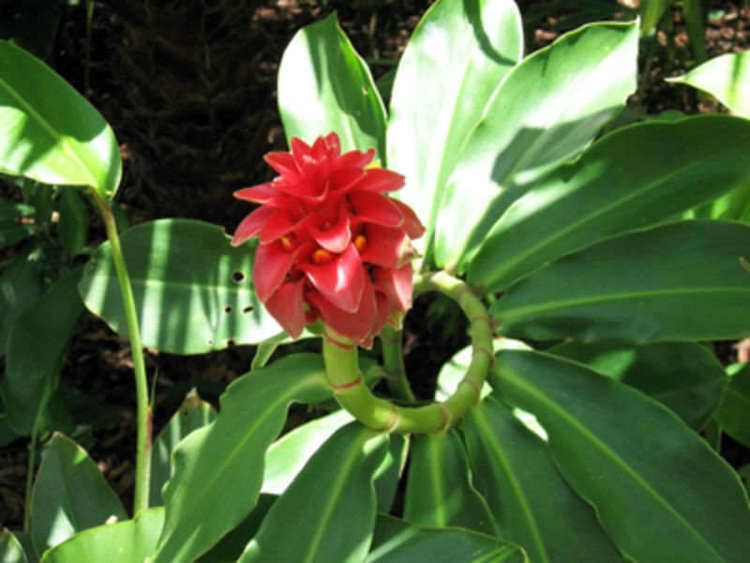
point(286, 243)
point(321, 256)
point(360, 242)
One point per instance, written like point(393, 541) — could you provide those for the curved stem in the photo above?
point(393, 361)
point(342, 370)
point(143, 417)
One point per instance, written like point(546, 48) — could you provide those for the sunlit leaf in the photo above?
point(325, 86)
point(193, 290)
point(70, 495)
point(48, 131)
point(455, 59)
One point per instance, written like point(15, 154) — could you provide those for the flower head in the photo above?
point(332, 245)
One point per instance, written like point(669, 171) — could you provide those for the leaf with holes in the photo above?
point(332, 503)
point(661, 492)
point(70, 495)
point(324, 86)
point(218, 470)
point(193, 290)
point(49, 132)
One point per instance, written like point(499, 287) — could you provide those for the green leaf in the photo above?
point(734, 412)
point(231, 546)
point(456, 58)
point(439, 490)
point(193, 290)
point(661, 492)
point(684, 376)
point(325, 86)
point(131, 541)
point(547, 110)
point(200, 507)
point(289, 454)
point(37, 341)
point(684, 281)
point(74, 222)
point(50, 132)
point(332, 503)
point(515, 473)
point(397, 541)
point(633, 178)
point(70, 495)
point(14, 222)
point(192, 415)
point(11, 550)
point(651, 12)
point(726, 78)
point(20, 286)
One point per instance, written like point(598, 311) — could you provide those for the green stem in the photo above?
point(393, 361)
point(143, 419)
point(342, 370)
point(30, 468)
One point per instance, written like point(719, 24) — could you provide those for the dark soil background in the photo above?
point(189, 88)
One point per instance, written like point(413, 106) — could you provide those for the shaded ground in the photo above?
point(189, 89)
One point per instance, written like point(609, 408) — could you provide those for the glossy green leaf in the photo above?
point(192, 415)
point(289, 454)
point(734, 412)
point(635, 177)
point(456, 58)
point(231, 546)
point(726, 78)
point(660, 491)
point(70, 495)
point(200, 507)
point(651, 12)
point(684, 281)
point(20, 286)
point(50, 133)
point(131, 541)
point(14, 222)
point(332, 503)
point(37, 341)
point(684, 376)
point(514, 471)
point(439, 490)
point(397, 541)
point(74, 221)
point(547, 110)
point(325, 86)
point(11, 550)
point(193, 290)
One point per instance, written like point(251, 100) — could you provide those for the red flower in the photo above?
point(332, 246)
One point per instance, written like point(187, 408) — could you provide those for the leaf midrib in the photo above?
point(490, 442)
point(609, 453)
point(240, 445)
point(597, 213)
point(60, 139)
point(514, 313)
point(340, 478)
